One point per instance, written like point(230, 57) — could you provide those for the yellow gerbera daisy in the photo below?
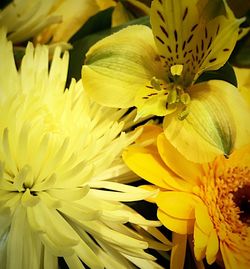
point(156, 70)
point(210, 200)
point(61, 171)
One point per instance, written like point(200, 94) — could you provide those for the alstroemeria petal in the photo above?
point(195, 34)
point(218, 122)
point(74, 15)
point(150, 101)
point(178, 163)
point(119, 65)
point(181, 226)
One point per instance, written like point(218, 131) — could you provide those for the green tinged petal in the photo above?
point(218, 122)
point(119, 65)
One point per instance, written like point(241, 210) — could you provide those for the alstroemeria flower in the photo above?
point(75, 13)
point(24, 19)
point(155, 70)
point(55, 22)
point(210, 200)
point(61, 172)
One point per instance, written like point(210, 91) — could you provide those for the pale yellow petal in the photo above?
point(178, 251)
point(217, 123)
point(179, 164)
point(120, 15)
point(119, 65)
point(74, 14)
point(181, 226)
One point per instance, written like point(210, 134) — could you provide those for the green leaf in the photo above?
point(81, 46)
point(93, 24)
point(225, 73)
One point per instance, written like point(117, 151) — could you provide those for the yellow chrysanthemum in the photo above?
point(61, 172)
point(156, 70)
point(210, 201)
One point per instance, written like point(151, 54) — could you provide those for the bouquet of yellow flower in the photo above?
point(124, 134)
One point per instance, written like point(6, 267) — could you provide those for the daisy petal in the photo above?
point(169, 202)
point(178, 252)
point(119, 65)
point(147, 164)
point(212, 247)
point(181, 226)
point(180, 165)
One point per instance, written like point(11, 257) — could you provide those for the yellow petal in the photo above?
point(152, 188)
point(218, 122)
point(149, 134)
point(212, 247)
point(147, 164)
point(120, 15)
point(119, 65)
point(200, 243)
point(179, 205)
point(74, 14)
point(239, 158)
point(181, 226)
point(229, 258)
point(196, 34)
point(151, 101)
point(243, 78)
point(178, 251)
point(179, 164)
point(203, 220)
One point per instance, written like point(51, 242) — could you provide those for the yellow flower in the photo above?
point(210, 200)
point(26, 18)
point(75, 13)
point(155, 70)
point(243, 78)
point(56, 21)
point(61, 172)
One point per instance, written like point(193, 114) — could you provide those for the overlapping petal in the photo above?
point(117, 66)
point(217, 116)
